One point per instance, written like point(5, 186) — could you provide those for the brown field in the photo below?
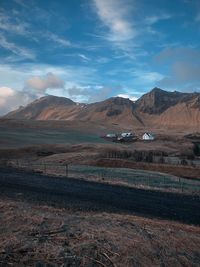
point(41, 235)
point(179, 171)
point(94, 155)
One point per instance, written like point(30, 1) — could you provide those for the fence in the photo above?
point(130, 177)
point(154, 157)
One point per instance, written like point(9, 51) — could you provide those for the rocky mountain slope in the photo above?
point(156, 108)
point(157, 101)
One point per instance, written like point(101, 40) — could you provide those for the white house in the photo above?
point(148, 136)
point(111, 135)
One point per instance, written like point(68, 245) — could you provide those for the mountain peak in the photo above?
point(34, 109)
point(120, 100)
point(158, 100)
point(157, 90)
point(54, 100)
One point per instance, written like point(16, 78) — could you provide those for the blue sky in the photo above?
point(89, 50)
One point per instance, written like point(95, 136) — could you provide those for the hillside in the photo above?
point(171, 109)
point(157, 108)
point(112, 110)
point(158, 100)
point(43, 108)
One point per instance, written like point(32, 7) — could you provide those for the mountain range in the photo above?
point(156, 108)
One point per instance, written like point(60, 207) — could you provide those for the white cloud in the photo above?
point(14, 76)
point(146, 77)
point(41, 79)
point(21, 3)
point(6, 92)
point(12, 24)
point(156, 18)
point(113, 14)
point(124, 28)
point(15, 49)
point(17, 26)
point(49, 81)
point(197, 19)
point(11, 99)
point(57, 39)
point(84, 57)
point(85, 94)
point(131, 97)
point(151, 76)
point(101, 93)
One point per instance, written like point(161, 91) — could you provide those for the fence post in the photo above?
point(44, 167)
point(66, 170)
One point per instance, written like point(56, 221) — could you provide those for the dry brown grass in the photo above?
point(33, 235)
point(179, 171)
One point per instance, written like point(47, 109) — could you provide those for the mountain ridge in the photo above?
point(158, 107)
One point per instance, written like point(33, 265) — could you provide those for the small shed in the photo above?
point(148, 136)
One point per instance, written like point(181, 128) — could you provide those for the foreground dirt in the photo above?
point(47, 221)
point(87, 196)
point(38, 234)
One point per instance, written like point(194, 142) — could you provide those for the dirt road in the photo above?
point(84, 195)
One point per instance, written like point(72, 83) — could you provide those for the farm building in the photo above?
point(148, 136)
point(127, 137)
point(127, 134)
point(111, 135)
point(122, 137)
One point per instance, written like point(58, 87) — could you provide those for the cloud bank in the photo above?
point(184, 70)
point(113, 15)
point(10, 99)
point(41, 84)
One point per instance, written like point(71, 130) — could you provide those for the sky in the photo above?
point(90, 50)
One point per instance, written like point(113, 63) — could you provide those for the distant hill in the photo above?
point(43, 108)
point(157, 108)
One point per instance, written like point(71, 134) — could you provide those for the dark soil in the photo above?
point(92, 196)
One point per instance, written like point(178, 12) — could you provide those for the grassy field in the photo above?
point(123, 176)
point(24, 137)
point(132, 177)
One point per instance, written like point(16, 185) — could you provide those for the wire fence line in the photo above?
point(154, 157)
point(130, 177)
